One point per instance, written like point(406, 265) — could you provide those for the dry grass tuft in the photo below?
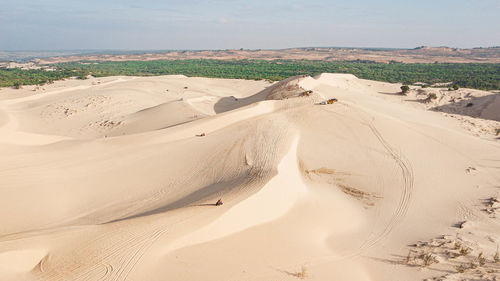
point(428, 259)
point(409, 258)
point(460, 268)
point(464, 251)
point(302, 273)
point(472, 265)
point(481, 259)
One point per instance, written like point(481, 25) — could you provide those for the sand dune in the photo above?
point(116, 179)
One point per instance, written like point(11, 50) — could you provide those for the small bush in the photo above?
point(430, 97)
point(455, 87)
point(405, 89)
point(18, 85)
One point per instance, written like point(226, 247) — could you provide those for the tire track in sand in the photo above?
point(112, 256)
point(406, 191)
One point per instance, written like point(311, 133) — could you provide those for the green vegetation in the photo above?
point(18, 85)
point(16, 77)
point(470, 75)
point(430, 97)
point(405, 89)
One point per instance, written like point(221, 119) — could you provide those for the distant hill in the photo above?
point(24, 56)
point(421, 54)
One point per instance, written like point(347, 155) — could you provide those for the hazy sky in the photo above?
point(223, 24)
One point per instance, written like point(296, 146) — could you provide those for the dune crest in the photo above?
point(272, 201)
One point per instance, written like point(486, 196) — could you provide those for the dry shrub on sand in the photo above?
point(461, 268)
point(428, 259)
point(464, 251)
point(481, 259)
point(302, 273)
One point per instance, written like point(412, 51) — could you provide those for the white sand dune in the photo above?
point(111, 179)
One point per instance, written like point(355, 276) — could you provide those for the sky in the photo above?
point(249, 24)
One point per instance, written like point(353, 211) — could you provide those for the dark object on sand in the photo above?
point(330, 101)
point(306, 93)
point(219, 202)
point(201, 135)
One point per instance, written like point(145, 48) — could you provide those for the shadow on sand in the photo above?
point(474, 107)
point(231, 103)
point(190, 200)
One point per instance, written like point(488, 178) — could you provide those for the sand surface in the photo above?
point(116, 179)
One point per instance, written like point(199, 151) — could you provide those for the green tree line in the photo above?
point(469, 75)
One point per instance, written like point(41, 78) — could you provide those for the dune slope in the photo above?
point(116, 179)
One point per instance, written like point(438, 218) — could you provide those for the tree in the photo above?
point(405, 89)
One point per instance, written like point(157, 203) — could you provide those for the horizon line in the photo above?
point(247, 49)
